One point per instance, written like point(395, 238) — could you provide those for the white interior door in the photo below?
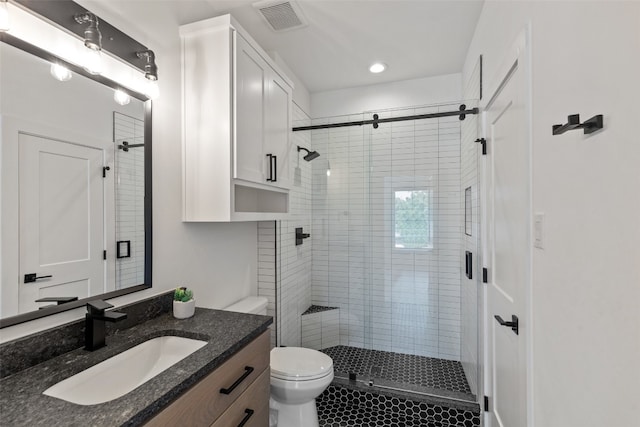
point(508, 245)
point(61, 214)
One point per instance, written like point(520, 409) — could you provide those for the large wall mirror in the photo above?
point(76, 186)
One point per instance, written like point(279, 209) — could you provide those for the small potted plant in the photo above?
point(184, 306)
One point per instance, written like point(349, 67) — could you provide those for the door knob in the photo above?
point(513, 324)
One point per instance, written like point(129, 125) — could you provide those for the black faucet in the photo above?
point(94, 327)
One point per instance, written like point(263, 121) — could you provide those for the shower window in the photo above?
point(413, 219)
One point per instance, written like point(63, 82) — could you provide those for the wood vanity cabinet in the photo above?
point(237, 115)
point(235, 392)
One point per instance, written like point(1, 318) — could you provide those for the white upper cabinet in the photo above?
point(236, 126)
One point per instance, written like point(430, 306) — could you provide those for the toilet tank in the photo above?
point(252, 305)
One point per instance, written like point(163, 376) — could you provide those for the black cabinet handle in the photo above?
point(275, 168)
point(513, 324)
point(31, 277)
point(271, 178)
point(249, 413)
point(247, 372)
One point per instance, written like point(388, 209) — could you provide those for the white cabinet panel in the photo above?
point(278, 139)
point(250, 94)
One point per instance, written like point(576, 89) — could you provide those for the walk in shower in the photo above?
point(388, 220)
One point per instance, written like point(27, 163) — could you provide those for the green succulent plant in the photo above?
point(182, 294)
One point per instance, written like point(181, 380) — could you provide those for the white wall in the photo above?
point(586, 280)
point(406, 93)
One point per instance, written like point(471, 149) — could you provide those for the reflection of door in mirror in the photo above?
point(129, 139)
point(51, 131)
point(61, 220)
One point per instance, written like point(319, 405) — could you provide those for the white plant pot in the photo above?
point(184, 310)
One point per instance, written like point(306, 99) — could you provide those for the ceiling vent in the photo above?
point(281, 15)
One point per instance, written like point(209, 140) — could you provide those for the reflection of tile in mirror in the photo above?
point(129, 167)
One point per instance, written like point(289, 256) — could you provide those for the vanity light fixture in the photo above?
point(93, 42)
point(150, 68)
point(60, 72)
point(121, 97)
point(150, 73)
point(378, 67)
point(92, 35)
point(4, 16)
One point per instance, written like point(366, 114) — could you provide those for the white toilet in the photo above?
point(298, 376)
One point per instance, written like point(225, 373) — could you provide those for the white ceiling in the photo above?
point(415, 38)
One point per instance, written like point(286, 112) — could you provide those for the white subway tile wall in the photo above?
point(394, 294)
point(129, 175)
point(321, 330)
point(471, 152)
point(267, 270)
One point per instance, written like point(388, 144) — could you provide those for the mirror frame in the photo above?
point(47, 56)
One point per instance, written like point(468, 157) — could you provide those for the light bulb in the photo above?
point(93, 61)
point(4, 16)
point(328, 172)
point(60, 72)
point(121, 98)
point(152, 90)
point(378, 67)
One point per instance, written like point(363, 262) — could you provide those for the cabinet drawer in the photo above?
point(252, 407)
point(203, 403)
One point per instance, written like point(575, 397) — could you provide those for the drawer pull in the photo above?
point(249, 412)
point(247, 371)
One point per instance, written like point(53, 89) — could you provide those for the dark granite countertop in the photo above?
point(23, 404)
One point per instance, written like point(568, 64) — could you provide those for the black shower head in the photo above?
point(310, 154)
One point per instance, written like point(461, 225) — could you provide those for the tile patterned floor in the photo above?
point(340, 406)
point(421, 371)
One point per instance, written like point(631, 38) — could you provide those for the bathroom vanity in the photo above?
point(224, 383)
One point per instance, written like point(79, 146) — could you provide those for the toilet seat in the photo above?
point(299, 364)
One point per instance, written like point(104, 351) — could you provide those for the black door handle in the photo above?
point(247, 372)
point(58, 300)
point(31, 277)
point(249, 412)
point(513, 324)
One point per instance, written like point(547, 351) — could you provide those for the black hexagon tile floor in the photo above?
point(399, 368)
point(340, 406)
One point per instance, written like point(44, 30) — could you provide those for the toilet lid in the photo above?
point(298, 363)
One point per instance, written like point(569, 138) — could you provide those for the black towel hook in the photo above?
point(573, 122)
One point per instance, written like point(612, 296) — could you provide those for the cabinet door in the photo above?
point(278, 128)
point(249, 159)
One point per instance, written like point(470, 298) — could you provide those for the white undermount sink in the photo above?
point(125, 371)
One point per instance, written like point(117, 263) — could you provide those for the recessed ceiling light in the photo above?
point(378, 67)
